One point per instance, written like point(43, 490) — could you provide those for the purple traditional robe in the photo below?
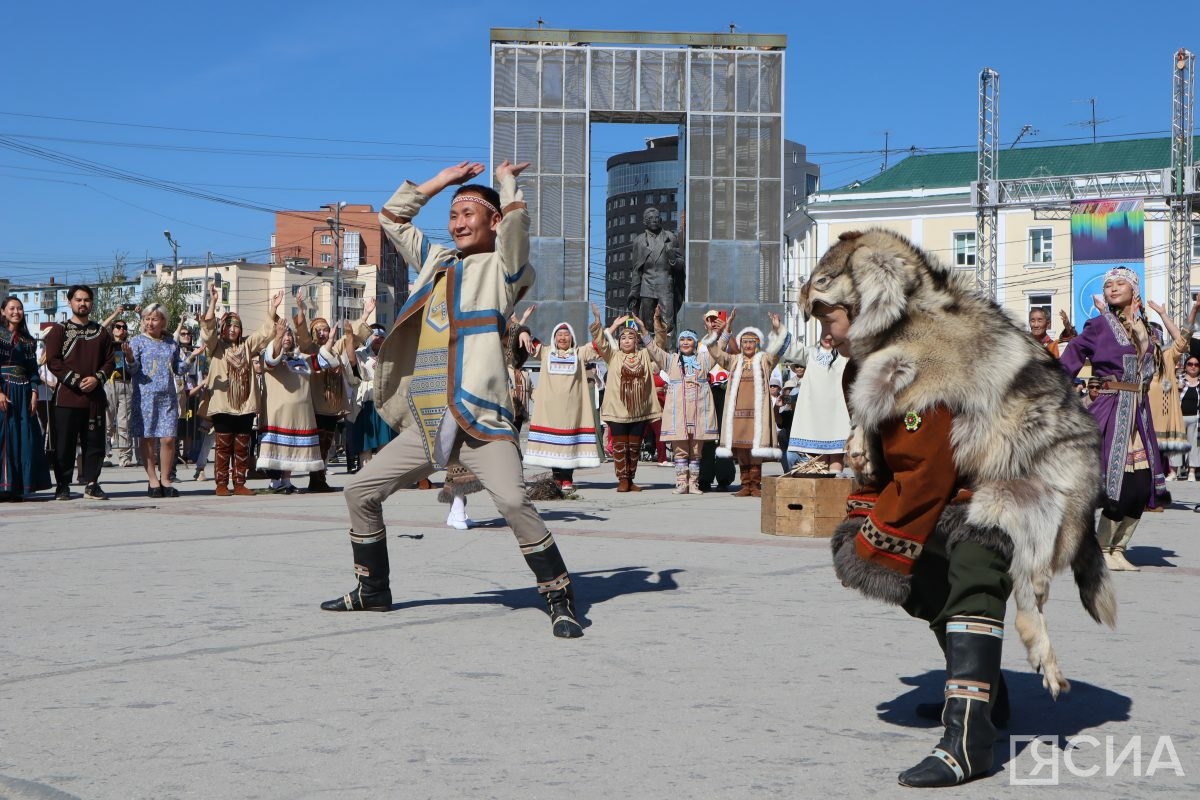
point(1113, 354)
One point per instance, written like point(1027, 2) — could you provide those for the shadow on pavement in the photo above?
point(1034, 711)
point(1150, 556)
point(591, 588)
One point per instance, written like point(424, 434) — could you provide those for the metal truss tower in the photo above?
point(986, 193)
point(1181, 185)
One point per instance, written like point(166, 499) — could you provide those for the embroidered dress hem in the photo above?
point(819, 446)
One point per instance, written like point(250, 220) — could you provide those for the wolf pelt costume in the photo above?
point(1026, 453)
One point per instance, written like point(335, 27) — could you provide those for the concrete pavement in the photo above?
point(174, 649)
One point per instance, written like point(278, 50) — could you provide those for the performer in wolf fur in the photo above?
point(1125, 357)
point(977, 477)
point(443, 383)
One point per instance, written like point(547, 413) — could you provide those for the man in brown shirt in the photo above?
point(80, 354)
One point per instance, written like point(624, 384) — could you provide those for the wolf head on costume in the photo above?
point(1023, 446)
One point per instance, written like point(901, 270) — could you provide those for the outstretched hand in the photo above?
point(1158, 308)
point(460, 173)
point(776, 324)
point(507, 168)
point(596, 313)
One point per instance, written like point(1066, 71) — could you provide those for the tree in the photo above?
point(171, 295)
point(112, 288)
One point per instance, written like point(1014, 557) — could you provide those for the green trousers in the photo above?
point(972, 581)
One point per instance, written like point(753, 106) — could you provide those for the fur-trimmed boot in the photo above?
point(317, 484)
point(1106, 534)
point(373, 593)
point(633, 456)
point(554, 583)
point(241, 464)
point(1124, 533)
point(756, 480)
point(222, 455)
point(681, 477)
point(973, 648)
point(621, 462)
point(745, 472)
point(694, 477)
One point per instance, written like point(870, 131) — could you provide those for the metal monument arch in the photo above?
point(726, 93)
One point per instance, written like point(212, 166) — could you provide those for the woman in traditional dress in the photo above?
point(23, 465)
point(1164, 392)
point(154, 359)
point(821, 422)
point(629, 396)
point(748, 430)
point(231, 401)
point(562, 433)
point(689, 416)
point(289, 442)
point(1125, 357)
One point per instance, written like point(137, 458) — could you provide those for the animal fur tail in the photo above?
point(1094, 582)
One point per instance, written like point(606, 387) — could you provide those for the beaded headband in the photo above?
point(1123, 274)
point(474, 198)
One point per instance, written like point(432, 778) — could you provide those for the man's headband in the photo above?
point(474, 198)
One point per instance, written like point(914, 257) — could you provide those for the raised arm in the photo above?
point(397, 214)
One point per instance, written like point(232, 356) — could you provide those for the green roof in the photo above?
point(946, 170)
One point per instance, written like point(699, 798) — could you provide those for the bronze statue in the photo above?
point(657, 270)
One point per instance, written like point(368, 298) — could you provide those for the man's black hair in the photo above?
point(486, 192)
point(79, 287)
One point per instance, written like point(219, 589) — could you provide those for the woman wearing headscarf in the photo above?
point(748, 430)
point(689, 415)
point(821, 422)
point(629, 397)
point(562, 433)
point(23, 465)
point(330, 401)
point(289, 441)
point(1125, 357)
point(153, 358)
point(231, 401)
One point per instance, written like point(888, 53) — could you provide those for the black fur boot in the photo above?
point(973, 647)
point(373, 592)
point(554, 582)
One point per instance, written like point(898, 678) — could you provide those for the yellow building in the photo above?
point(927, 198)
point(247, 289)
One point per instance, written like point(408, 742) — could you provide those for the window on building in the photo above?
point(1045, 302)
point(1196, 241)
point(1041, 245)
point(326, 258)
point(964, 249)
point(326, 238)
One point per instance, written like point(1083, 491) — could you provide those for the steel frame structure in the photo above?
point(1178, 186)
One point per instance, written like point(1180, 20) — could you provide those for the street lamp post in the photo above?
point(335, 225)
point(174, 256)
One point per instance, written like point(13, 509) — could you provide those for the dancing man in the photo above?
point(443, 383)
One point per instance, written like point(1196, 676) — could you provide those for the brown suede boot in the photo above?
point(633, 455)
point(756, 480)
point(241, 464)
point(621, 462)
point(223, 455)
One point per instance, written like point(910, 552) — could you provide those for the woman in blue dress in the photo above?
point(154, 360)
point(23, 466)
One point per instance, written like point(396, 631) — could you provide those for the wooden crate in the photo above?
point(803, 506)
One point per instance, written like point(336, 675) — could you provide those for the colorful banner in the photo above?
point(1104, 234)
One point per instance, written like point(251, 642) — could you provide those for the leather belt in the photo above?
point(1108, 386)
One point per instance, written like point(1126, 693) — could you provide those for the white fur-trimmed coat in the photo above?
point(764, 424)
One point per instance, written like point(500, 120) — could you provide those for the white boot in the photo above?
point(1106, 532)
point(458, 518)
point(1124, 534)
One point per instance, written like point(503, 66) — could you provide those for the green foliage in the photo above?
point(171, 295)
point(111, 288)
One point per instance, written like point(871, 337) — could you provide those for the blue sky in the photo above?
point(203, 97)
